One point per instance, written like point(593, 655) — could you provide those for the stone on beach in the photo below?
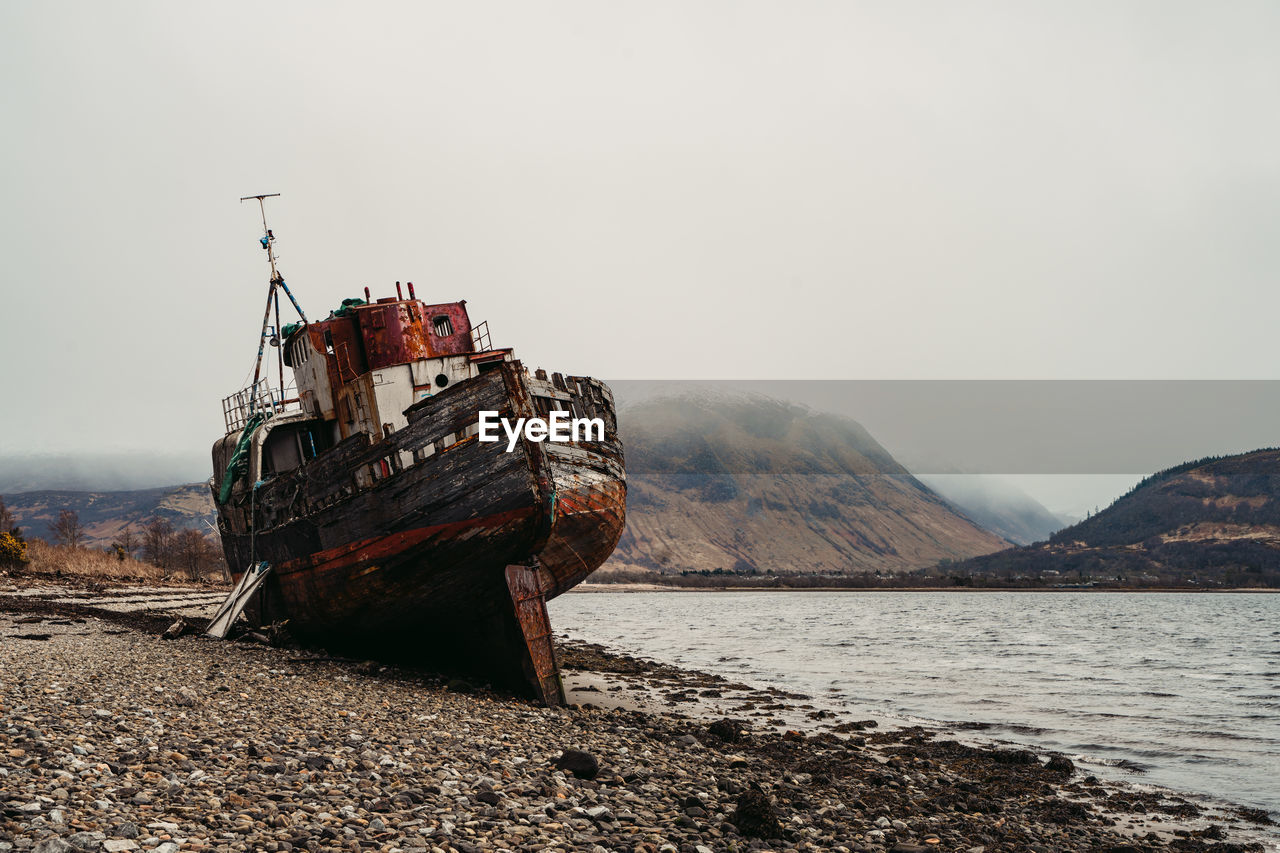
point(755, 816)
point(729, 731)
point(176, 630)
point(1060, 764)
point(581, 764)
point(53, 845)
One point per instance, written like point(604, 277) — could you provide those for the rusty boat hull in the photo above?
point(430, 546)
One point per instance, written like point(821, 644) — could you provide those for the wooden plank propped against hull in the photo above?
point(532, 632)
point(249, 583)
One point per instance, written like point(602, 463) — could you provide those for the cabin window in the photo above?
point(442, 326)
point(328, 342)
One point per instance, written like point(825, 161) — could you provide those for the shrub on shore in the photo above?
point(13, 551)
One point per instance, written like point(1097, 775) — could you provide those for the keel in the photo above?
point(529, 634)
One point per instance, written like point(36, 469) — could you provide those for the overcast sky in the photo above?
point(635, 191)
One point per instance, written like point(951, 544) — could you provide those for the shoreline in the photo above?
point(590, 588)
point(202, 745)
point(176, 581)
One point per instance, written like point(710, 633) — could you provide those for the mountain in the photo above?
point(998, 506)
point(1214, 521)
point(104, 514)
point(755, 484)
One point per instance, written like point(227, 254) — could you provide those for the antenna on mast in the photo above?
point(273, 295)
point(268, 239)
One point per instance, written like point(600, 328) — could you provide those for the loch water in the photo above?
point(1180, 690)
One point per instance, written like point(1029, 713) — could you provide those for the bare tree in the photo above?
point(188, 551)
point(67, 530)
point(157, 542)
point(194, 553)
point(6, 518)
point(125, 543)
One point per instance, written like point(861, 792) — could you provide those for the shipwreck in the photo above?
point(358, 503)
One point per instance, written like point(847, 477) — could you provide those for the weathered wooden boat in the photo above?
point(366, 511)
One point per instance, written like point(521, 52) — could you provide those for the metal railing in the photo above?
point(480, 337)
point(256, 399)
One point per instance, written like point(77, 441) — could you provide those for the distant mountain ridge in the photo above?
point(1215, 520)
point(105, 514)
point(731, 483)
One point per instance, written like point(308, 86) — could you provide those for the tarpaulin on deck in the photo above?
point(239, 464)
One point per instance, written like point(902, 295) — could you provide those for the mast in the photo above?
point(275, 285)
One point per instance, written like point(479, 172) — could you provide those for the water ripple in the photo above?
point(1178, 685)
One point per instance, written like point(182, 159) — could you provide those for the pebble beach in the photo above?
point(113, 738)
